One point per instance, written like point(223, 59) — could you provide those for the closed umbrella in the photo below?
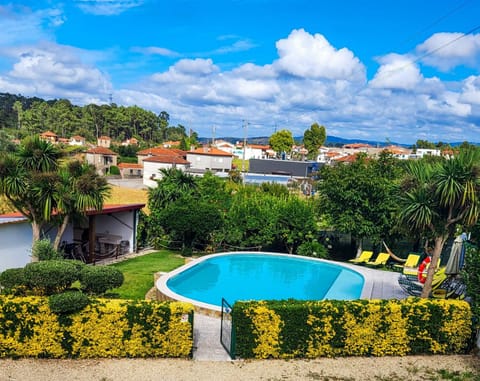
point(453, 264)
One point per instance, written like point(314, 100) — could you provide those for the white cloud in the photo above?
point(396, 72)
point(471, 90)
point(20, 24)
point(155, 50)
point(107, 7)
point(447, 50)
point(311, 56)
point(54, 71)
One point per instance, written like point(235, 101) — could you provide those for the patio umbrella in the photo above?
point(453, 264)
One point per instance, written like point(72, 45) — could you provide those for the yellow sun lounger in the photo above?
point(363, 258)
point(410, 263)
point(381, 260)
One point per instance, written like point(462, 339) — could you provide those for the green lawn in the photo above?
point(138, 272)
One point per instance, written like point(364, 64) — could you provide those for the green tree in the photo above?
point(42, 190)
point(281, 141)
point(436, 197)
point(296, 222)
point(190, 220)
point(173, 184)
point(357, 199)
point(251, 219)
point(313, 139)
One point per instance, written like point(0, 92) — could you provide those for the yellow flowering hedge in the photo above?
point(105, 328)
point(310, 329)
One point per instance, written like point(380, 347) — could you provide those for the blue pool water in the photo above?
point(250, 276)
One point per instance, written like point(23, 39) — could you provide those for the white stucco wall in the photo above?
point(210, 162)
point(16, 245)
point(153, 168)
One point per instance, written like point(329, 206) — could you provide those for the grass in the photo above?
point(138, 272)
point(123, 195)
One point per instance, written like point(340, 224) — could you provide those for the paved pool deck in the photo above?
point(379, 284)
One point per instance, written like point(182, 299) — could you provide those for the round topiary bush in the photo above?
point(12, 280)
point(43, 250)
point(98, 279)
point(68, 302)
point(50, 277)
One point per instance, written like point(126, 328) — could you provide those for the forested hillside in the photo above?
point(21, 116)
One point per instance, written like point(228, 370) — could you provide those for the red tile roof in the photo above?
point(129, 165)
point(101, 151)
point(168, 159)
point(211, 151)
point(156, 151)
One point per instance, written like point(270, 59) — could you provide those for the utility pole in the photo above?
point(213, 136)
point(245, 132)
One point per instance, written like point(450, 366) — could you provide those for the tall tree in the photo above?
point(313, 139)
point(36, 184)
point(281, 141)
point(436, 197)
point(359, 199)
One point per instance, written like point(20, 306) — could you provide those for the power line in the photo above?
point(437, 21)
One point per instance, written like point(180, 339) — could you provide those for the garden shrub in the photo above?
point(310, 329)
point(114, 170)
point(312, 248)
point(105, 328)
point(98, 279)
point(43, 250)
point(68, 302)
point(12, 280)
point(50, 277)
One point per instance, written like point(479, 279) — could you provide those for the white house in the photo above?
point(153, 164)
point(210, 159)
point(110, 231)
point(253, 151)
point(77, 140)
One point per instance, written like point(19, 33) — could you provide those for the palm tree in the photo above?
point(26, 179)
point(174, 184)
point(78, 190)
point(35, 183)
point(438, 196)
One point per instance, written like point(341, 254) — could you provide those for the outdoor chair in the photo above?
point(414, 288)
point(381, 260)
point(410, 263)
point(363, 258)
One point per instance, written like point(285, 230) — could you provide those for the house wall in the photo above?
point(292, 168)
point(151, 171)
point(210, 162)
point(16, 245)
point(121, 223)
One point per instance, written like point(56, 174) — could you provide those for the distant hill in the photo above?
point(331, 141)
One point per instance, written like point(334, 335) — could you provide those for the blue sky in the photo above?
point(381, 70)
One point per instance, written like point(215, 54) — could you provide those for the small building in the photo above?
point(111, 231)
point(153, 164)
point(104, 141)
point(130, 170)
point(101, 158)
point(299, 169)
point(159, 151)
point(210, 159)
point(77, 140)
point(49, 136)
point(130, 142)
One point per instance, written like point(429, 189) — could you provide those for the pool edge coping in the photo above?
point(211, 309)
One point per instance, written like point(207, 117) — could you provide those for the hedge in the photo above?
point(298, 329)
point(105, 328)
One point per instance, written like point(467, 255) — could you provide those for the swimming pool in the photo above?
point(259, 276)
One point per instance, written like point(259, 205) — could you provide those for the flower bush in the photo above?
point(104, 328)
point(309, 329)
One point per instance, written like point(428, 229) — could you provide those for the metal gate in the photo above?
point(227, 335)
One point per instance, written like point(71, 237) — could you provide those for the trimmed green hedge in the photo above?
point(290, 329)
point(104, 328)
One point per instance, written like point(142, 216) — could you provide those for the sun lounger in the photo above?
point(415, 288)
point(363, 258)
point(410, 264)
point(381, 260)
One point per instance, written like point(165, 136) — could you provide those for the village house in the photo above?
point(77, 140)
point(210, 159)
point(49, 136)
point(101, 158)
